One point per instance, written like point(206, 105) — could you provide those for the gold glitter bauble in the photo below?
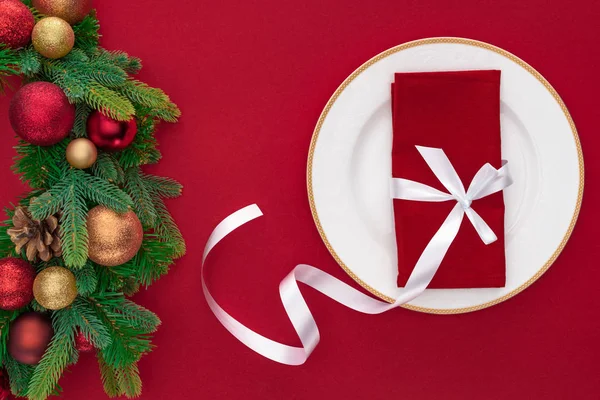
point(54, 288)
point(53, 37)
point(81, 153)
point(114, 238)
point(72, 11)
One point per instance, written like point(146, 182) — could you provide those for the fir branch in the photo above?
point(9, 61)
point(86, 279)
point(73, 223)
point(41, 167)
point(29, 61)
point(108, 102)
point(88, 322)
point(150, 263)
point(87, 33)
point(143, 149)
point(19, 376)
point(109, 379)
point(5, 318)
point(167, 230)
point(50, 202)
point(82, 112)
point(103, 192)
point(129, 343)
point(139, 317)
point(108, 168)
point(153, 98)
point(128, 378)
point(142, 201)
point(56, 358)
point(161, 186)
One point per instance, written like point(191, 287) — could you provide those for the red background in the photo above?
point(251, 79)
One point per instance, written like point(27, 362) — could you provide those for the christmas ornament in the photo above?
point(109, 134)
point(53, 37)
point(81, 153)
point(16, 24)
point(16, 283)
point(114, 238)
point(39, 238)
point(41, 114)
point(54, 288)
point(28, 337)
point(72, 11)
point(82, 344)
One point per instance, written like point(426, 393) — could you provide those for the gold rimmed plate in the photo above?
point(349, 167)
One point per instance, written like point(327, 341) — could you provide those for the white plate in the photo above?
point(349, 168)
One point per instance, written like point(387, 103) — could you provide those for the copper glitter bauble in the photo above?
point(110, 134)
point(53, 37)
point(16, 24)
point(114, 238)
point(72, 11)
point(55, 288)
point(16, 283)
point(82, 344)
point(28, 337)
point(81, 153)
point(41, 114)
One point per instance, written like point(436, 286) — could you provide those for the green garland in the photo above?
point(94, 79)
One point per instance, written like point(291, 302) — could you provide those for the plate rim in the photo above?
point(448, 40)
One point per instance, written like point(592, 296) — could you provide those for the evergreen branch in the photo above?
point(150, 263)
point(87, 33)
point(19, 376)
point(139, 317)
point(86, 280)
point(108, 168)
point(167, 230)
point(109, 379)
point(56, 358)
point(41, 167)
point(90, 324)
point(163, 187)
point(131, 65)
point(5, 318)
point(128, 342)
point(128, 378)
point(108, 102)
point(50, 202)
point(142, 202)
point(9, 61)
point(82, 112)
point(143, 149)
point(103, 192)
point(29, 62)
point(73, 223)
point(153, 98)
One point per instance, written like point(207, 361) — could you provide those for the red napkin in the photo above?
point(458, 112)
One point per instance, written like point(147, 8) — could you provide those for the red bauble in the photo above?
point(41, 114)
point(82, 344)
point(16, 283)
point(16, 24)
point(110, 134)
point(28, 337)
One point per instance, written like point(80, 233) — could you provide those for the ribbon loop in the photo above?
point(486, 181)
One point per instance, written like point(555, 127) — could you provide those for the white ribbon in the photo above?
point(487, 181)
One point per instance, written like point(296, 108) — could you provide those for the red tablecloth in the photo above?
point(251, 79)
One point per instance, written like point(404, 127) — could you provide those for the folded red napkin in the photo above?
point(458, 112)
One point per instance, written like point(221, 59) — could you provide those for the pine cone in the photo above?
point(39, 238)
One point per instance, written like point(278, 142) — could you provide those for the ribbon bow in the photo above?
point(487, 180)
